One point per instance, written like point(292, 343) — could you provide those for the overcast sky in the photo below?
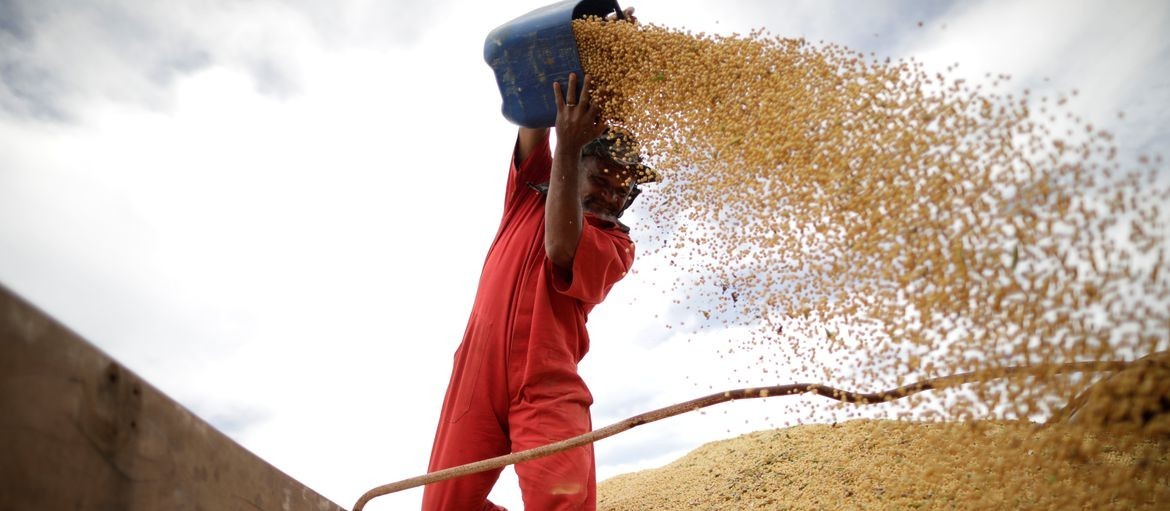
point(276, 212)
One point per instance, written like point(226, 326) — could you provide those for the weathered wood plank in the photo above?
point(80, 432)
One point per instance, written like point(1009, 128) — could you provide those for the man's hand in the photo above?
point(629, 15)
point(578, 117)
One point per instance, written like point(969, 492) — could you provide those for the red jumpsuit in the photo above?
point(514, 385)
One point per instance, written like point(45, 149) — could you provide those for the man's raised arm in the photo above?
point(577, 123)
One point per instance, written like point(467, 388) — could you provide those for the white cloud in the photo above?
point(59, 55)
point(1114, 55)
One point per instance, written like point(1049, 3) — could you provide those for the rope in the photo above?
point(731, 395)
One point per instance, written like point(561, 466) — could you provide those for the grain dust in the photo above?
point(874, 223)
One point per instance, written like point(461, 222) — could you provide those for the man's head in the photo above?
point(613, 170)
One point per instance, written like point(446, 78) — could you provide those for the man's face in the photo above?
point(606, 188)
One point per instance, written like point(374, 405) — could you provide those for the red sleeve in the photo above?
point(535, 169)
point(603, 257)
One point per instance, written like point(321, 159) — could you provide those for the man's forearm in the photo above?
point(562, 214)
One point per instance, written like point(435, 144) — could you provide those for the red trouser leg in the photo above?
point(464, 441)
point(469, 430)
point(566, 480)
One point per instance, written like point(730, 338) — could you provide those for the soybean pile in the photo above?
point(872, 223)
point(823, 466)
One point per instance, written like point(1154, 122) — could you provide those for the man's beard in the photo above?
point(589, 207)
point(604, 215)
point(599, 211)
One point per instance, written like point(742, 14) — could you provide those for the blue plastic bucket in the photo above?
point(530, 52)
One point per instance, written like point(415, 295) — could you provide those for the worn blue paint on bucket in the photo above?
point(530, 52)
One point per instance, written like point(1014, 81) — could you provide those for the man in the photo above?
point(558, 251)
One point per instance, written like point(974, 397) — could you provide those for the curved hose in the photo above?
point(790, 389)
